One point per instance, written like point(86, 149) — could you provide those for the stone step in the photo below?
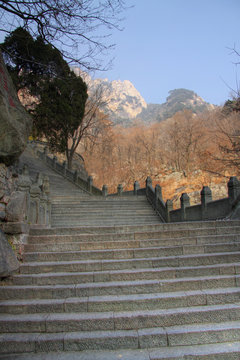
point(102, 321)
point(120, 264)
point(41, 242)
point(102, 213)
point(74, 203)
point(131, 253)
point(108, 221)
point(157, 230)
point(77, 243)
point(214, 351)
point(53, 278)
point(10, 292)
point(132, 302)
point(124, 339)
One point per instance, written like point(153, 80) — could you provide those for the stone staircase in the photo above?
point(145, 292)
point(108, 281)
point(70, 211)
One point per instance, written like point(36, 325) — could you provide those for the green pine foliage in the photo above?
point(59, 94)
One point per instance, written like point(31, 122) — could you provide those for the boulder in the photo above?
point(15, 123)
point(8, 261)
point(16, 208)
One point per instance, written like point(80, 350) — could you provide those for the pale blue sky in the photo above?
point(169, 44)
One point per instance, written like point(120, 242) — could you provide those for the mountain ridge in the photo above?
point(124, 104)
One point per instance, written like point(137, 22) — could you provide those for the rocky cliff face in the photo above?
point(15, 123)
point(124, 103)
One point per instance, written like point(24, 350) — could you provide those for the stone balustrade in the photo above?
point(38, 204)
point(207, 210)
point(75, 176)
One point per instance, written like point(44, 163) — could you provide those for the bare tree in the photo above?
point(93, 124)
point(72, 26)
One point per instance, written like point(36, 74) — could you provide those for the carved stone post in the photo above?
point(75, 176)
point(158, 195)
point(105, 190)
point(185, 202)
point(24, 184)
point(206, 197)
point(90, 183)
point(54, 162)
point(233, 188)
point(136, 187)
point(148, 181)
point(169, 207)
point(119, 189)
point(35, 193)
point(64, 164)
point(39, 179)
point(46, 191)
point(45, 153)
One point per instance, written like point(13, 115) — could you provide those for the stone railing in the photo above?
point(207, 210)
point(37, 206)
point(137, 191)
point(154, 197)
point(76, 177)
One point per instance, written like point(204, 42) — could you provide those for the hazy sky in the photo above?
point(170, 44)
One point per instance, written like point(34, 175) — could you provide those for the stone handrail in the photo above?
point(37, 202)
point(75, 177)
point(208, 209)
point(155, 199)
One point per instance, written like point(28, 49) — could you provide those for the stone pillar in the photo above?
point(90, 183)
point(158, 195)
point(43, 209)
point(46, 191)
point(45, 153)
point(206, 197)
point(136, 187)
point(64, 164)
point(46, 185)
point(148, 181)
point(105, 190)
point(24, 184)
point(34, 208)
point(233, 188)
point(119, 189)
point(39, 179)
point(75, 176)
point(54, 162)
point(169, 207)
point(185, 202)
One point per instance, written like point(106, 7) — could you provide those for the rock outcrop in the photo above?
point(15, 123)
point(8, 260)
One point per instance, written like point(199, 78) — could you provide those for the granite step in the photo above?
point(119, 287)
point(131, 253)
point(130, 302)
point(157, 230)
point(126, 320)
point(54, 278)
point(84, 242)
point(215, 351)
point(123, 339)
point(120, 264)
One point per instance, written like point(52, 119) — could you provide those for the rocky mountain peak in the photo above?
point(124, 103)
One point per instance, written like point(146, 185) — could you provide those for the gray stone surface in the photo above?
point(15, 123)
point(16, 209)
point(8, 261)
